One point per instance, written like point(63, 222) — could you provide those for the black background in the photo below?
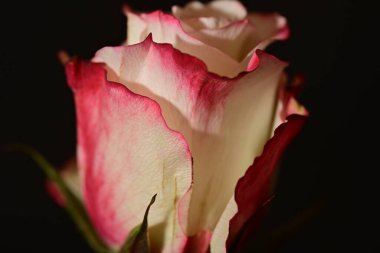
point(330, 42)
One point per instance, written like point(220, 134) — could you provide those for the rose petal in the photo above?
point(253, 189)
point(166, 28)
point(287, 106)
point(276, 29)
point(126, 154)
point(269, 27)
point(225, 121)
point(220, 234)
point(225, 50)
point(241, 37)
point(236, 39)
point(237, 129)
point(232, 10)
point(199, 23)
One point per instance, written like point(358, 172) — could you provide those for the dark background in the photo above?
point(330, 44)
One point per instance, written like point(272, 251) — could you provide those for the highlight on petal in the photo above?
point(225, 121)
point(126, 154)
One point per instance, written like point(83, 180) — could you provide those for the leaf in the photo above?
point(138, 241)
point(73, 205)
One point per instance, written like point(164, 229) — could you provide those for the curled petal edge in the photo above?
point(253, 189)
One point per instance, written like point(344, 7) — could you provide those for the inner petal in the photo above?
point(225, 49)
point(191, 24)
point(168, 29)
point(232, 10)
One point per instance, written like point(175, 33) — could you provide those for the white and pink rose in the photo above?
point(190, 109)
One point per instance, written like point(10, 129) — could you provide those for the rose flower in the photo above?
point(190, 109)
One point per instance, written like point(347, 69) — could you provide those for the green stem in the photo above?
point(72, 205)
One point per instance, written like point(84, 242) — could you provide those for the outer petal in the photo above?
point(126, 154)
point(225, 121)
point(253, 189)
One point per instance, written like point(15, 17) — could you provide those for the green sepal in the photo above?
point(138, 239)
point(72, 204)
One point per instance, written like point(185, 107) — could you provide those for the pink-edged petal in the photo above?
point(253, 189)
point(235, 36)
point(166, 28)
point(237, 39)
point(70, 176)
point(159, 72)
point(225, 49)
point(126, 154)
point(232, 10)
point(269, 27)
point(225, 121)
